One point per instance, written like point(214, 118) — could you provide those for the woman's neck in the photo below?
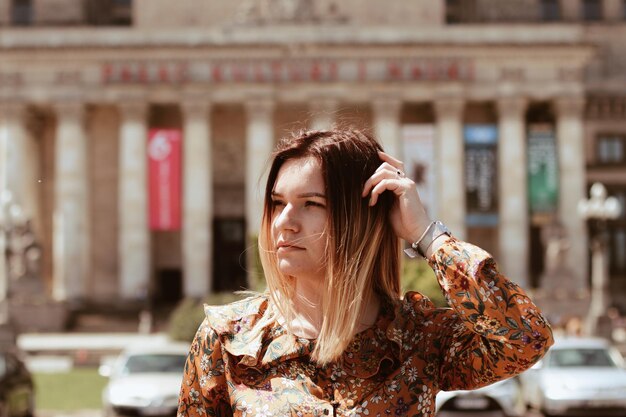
point(308, 311)
point(307, 303)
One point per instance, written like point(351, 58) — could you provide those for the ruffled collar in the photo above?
point(254, 340)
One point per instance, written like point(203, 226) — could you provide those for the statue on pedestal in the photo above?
point(556, 243)
point(24, 261)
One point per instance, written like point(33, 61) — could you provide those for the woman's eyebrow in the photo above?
point(313, 194)
point(303, 195)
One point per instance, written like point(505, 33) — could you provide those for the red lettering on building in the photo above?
point(164, 75)
point(107, 73)
point(332, 70)
point(362, 71)
point(259, 74)
point(127, 74)
point(453, 71)
point(416, 72)
point(316, 71)
point(143, 73)
point(216, 73)
point(239, 72)
point(394, 71)
point(277, 71)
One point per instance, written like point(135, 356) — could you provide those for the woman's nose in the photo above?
point(287, 219)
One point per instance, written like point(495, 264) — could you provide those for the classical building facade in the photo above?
point(505, 113)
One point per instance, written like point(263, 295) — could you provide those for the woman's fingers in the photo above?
point(391, 160)
point(383, 172)
point(385, 185)
point(389, 176)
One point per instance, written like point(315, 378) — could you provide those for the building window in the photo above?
point(21, 12)
point(122, 12)
point(611, 150)
point(592, 10)
point(550, 10)
point(461, 11)
point(109, 12)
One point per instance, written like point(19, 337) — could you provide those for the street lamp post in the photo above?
point(598, 209)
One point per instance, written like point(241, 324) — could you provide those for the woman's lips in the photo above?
point(288, 247)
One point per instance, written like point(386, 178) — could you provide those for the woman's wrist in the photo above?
point(428, 238)
point(419, 231)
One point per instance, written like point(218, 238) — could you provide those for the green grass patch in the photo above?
point(78, 389)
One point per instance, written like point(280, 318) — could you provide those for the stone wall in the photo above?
point(219, 13)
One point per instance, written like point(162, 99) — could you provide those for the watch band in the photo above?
point(432, 232)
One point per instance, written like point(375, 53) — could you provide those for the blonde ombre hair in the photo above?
point(362, 250)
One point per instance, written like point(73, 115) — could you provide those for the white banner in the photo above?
point(420, 161)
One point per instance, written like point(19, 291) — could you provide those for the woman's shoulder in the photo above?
point(231, 317)
point(241, 327)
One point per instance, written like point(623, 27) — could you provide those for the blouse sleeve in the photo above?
point(494, 330)
point(203, 391)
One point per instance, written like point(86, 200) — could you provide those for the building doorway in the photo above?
point(229, 258)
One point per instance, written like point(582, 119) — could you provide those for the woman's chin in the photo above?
point(288, 269)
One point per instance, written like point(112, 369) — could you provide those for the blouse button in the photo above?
point(326, 411)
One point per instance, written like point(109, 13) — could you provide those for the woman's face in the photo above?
point(299, 219)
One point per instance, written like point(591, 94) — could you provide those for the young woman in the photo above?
point(333, 335)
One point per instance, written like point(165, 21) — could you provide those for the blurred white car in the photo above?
point(504, 396)
point(145, 381)
point(578, 376)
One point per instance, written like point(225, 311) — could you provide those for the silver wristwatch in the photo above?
point(432, 232)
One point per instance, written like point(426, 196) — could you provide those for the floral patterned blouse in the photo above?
point(394, 368)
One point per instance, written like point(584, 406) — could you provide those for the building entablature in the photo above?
point(409, 72)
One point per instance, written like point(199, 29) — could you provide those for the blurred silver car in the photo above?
point(145, 381)
point(578, 376)
point(504, 396)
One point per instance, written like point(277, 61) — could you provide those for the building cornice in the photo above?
point(461, 35)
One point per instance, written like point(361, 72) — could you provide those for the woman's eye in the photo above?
point(314, 204)
point(277, 203)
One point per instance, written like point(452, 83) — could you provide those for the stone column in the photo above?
point(134, 234)
point(12, 155)
point(570, 143)
point(513, 210)
point(613, 10)
point(197, 248)
point(259, 146)
point(71, 235)
point(323, 113)
point(451, 164)
point(5, 12)
point(20, 172)
point(387, 124)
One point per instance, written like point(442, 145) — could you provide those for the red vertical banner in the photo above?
point(164, 176)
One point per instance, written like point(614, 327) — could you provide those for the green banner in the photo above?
point(543, 170)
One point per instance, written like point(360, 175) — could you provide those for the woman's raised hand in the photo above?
point(408, 215)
